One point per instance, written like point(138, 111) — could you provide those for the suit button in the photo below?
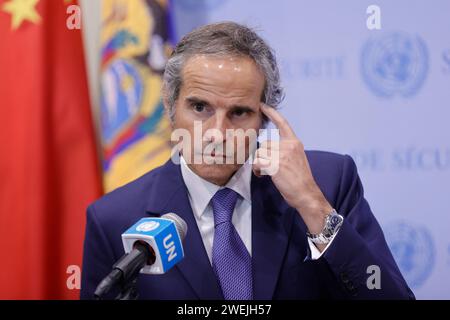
point(344, 278)
point(348, 284)
point(351, 288)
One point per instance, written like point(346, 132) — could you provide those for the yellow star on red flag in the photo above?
point(22, 10)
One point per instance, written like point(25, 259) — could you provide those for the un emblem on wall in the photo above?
point(194, 5)
point(394, 64)
point(413, 250)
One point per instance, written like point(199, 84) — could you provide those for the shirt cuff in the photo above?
point(315, 253)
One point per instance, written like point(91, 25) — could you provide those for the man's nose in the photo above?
point(217, 128)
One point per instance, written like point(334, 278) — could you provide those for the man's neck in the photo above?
point(219, 181)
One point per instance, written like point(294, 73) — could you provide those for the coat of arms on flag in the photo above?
point(135, 47)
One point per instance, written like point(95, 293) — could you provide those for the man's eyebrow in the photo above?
point(196, 100)
point(242, 107)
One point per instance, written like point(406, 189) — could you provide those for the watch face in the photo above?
point(335, 220)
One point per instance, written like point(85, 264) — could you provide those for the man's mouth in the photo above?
point(219, 158)
point(214, 154)
point(217, 155)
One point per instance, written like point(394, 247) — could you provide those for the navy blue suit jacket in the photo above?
point(282, 268)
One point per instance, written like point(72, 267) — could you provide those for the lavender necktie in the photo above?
point(231, 260)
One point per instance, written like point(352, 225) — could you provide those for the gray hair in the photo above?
point(221, 39)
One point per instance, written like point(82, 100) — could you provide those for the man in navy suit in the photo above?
point(283, 224)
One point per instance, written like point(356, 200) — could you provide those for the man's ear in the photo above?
point(166, 107)
point(165, 104)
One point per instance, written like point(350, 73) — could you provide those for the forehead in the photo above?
point(226, 77)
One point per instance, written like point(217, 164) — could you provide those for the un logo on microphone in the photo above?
point(413, 250)
point(147, 226)
point(394, 64)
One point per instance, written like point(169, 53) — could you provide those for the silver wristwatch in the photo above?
point(333, 222)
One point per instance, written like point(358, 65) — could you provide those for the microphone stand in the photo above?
point(129, 290)
point(125, 273)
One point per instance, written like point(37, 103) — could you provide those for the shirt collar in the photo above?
point(201, 191)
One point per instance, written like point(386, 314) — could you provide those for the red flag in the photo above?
point(48, 163)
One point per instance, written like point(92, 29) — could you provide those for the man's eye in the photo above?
point(199, 107)
point(240, 112)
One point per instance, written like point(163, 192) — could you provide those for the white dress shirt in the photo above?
point(200, 193)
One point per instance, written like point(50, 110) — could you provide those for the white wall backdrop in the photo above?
point(382, 96)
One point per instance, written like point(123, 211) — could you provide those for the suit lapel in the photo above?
point(270, 236)
point(171, 196)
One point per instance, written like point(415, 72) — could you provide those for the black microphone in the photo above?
point(165, 233)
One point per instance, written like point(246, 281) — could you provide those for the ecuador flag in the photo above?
point(135, 47)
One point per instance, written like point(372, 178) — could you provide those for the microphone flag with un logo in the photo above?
point(162, 236)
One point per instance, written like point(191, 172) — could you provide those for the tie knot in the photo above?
point(223, 203)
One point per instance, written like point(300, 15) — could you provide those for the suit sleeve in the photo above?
point(98, 257)
point(359, 245)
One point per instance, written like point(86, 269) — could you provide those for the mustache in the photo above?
point(220, 149)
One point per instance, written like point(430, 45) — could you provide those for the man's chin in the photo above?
point(218, 174)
